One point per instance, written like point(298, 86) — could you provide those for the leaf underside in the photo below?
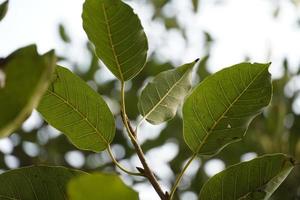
point(160, 99)
point(26, 78)
point(253, 180)
point(100, 186)
point(47, 183)
point(117, 33)
point(220, 109)
point(72, 107)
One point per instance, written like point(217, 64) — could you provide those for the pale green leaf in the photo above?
point(253, 180)
point(160, 99)
point(74, 108)
point(220, 109)
point(3, 9)
point(100, 186)
point(45, 183)
point(116, 32)
point(24, 77)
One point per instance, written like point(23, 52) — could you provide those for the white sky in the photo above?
point(240, 27)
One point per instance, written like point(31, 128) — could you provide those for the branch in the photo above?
point(119, 165)
point(180, 176)
point(132, 134)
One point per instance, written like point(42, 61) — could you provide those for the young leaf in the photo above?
point(100, 186)
point(74, 108)
point(3, 9)
point(118, 36)
point(161, 97)
point(47, 183)
point(221, 107)
point(63, 34)
point(25, 77)
point(253, 180)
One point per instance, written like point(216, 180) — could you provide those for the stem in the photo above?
point(132, 134)
point(180, 176)
point(119, 165)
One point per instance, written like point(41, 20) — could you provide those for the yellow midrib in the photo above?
point(111, 44)
point(225, 112)
point(81, 114)
point(164, 96)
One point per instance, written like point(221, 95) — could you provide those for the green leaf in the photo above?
point(100, 186)
point(47, 183)
point(25, 77)
point(63, 34)
point(74, 108)
point(118, 36)
point(3, 9)
point(253, 180)
point(220, 109)
point(160, 99)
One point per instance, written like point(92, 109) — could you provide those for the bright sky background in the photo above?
point(241, 28)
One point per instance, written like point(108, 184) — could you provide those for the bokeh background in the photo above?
point(219, 32)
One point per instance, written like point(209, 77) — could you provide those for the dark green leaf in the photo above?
point(253, 180)
point(3, 9)
point(74, 108)
point(220, 109)
point(45, 183)
point(100, 186)
point(161, 97)
point(118, 36)
point(26, 76)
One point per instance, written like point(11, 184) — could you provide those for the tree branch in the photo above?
point(180, 176)
point(132, 134)
point(119, 165)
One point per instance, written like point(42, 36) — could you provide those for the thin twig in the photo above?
point(119, 165)
point(132, 134)
point(180, 176)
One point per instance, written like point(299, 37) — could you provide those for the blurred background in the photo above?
point(219, 32)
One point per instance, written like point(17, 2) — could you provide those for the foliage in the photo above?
point(215, 113)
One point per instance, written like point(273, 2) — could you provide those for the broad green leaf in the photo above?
point(75, 109)
point(3, 9)
point(116, 32)
point(253, 180)
point(25, 77)
point(46, 183)
point(100, 186)
point(161, 97)
point(220, 109)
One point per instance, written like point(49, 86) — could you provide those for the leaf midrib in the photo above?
point(111, 43)
point(98, 133)
point(225, 112)
point(165, 96)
